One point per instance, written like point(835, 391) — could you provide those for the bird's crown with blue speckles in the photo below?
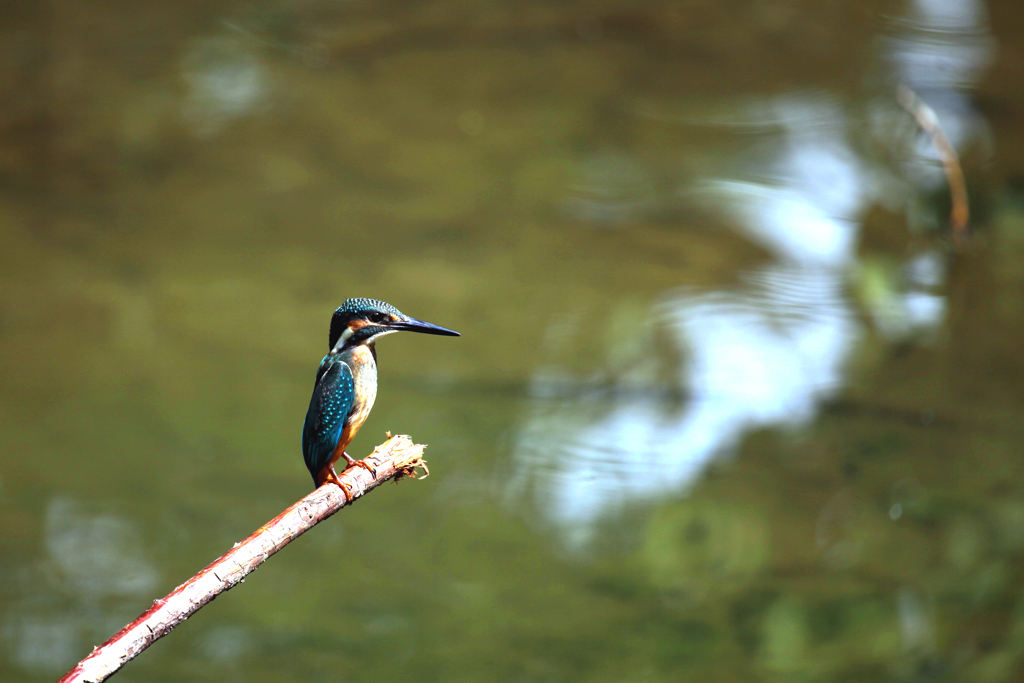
point(353, 309)
point(356, 307)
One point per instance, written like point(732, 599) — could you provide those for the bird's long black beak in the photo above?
point(414, 325)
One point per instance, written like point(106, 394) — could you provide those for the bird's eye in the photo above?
point(377, 318)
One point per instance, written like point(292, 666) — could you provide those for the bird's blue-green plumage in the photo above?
point(329, 409)
point(346, 381)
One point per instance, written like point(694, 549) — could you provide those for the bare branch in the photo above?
point(929, 123)
point(396, 458)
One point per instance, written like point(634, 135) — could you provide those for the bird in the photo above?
point(346, 383)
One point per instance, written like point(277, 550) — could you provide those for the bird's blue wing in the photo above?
point(328, 411)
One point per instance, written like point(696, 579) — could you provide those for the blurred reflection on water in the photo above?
point(767, 353)
point(940, 48)
point(761, 355)
point(225, 81)
point(97, 556)
point(94, 562)
point(612, 189)
point(807, 213)
point(716, 343)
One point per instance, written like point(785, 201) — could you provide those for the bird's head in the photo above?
point(363, 321)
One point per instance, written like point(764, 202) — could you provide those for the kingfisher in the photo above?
point(346, 383)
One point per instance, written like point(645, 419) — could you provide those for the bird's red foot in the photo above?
point(332, 476)
point(352, 462)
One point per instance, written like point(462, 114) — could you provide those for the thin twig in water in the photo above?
point(925, 116)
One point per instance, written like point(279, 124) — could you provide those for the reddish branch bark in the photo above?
point(396, 458)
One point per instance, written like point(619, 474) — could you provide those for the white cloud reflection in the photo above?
point(763, 355)
point(807, 214)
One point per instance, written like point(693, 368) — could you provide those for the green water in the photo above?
point(728, 405)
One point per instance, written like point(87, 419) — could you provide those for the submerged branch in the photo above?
point(396, 458)
point(929, 123)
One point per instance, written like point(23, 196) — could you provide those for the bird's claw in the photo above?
point(369, 468)
point(352, 462)
point(332, 476)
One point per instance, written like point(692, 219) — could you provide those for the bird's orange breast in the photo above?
point(364, 373)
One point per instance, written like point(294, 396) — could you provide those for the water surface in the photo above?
point(728, 405)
